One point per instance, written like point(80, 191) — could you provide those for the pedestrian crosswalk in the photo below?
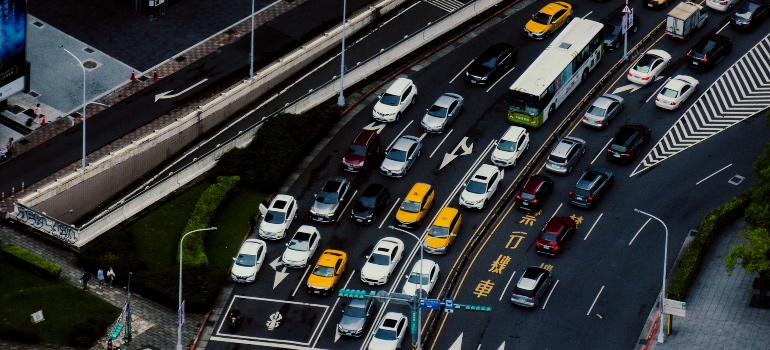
point(742, 91)
point(446, 5)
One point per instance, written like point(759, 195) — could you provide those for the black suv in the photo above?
point(535, 191)
point(372, 200)
point(750, 14)
point(592, 185)
point(613, 28)
point(709, 51)
point(627, 143)
point(492, 63)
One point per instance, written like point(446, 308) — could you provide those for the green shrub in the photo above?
point(281, 143)
point(762, 164)
point(114, 249)
point(711, 225)
point(203, 215)
point(27, 260)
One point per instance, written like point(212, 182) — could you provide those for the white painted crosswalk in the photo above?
point(446, 5)
point(742, 91)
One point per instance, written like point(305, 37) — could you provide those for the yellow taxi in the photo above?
point(548, 20)
point(442, 233)
point(327, 272)
point(415, 205)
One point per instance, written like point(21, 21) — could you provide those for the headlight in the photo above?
point(312, 211)
point(483, 78)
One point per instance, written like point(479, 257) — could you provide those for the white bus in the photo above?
point(556, 72)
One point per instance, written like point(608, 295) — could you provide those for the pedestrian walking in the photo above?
point(253, 223)
point(109, 344)
point(100, 277)
point(84, 279)
point(110, 277)
point(38, 114)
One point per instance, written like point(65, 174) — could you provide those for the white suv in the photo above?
point(401, 94)
point(277, 217)
point(483, 184)
point(510, 147)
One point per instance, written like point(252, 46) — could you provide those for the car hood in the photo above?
point(610, 38)
point(411, 289)
point(352, 323)
point(323, 208)
point(436, 242)
point(500, 154)
point(535, 27)
point(295, 255)
point(477, 70)
point(360, 210)
point(379, 344)
point(353, 159)
point(385, 109)
point(471, 197)
point(374, 271)
point(433, 121)
point(320, 282)
point(392, 165)
point(243, 271)
point(404, 216)
point(272, 228)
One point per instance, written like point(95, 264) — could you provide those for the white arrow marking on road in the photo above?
point(277, 262)
point(632, 87)
point(375, 126)
point(451, 156)
point(279, 276)
point(458, 344)
point(502, 346)
point(336, 335)
point(166, 95)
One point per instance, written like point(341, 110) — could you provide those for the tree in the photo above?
point(753, 256)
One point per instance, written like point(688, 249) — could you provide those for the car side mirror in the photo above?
point(233, 259)
point(406, 276)
point(287, 244)
point(453, 235)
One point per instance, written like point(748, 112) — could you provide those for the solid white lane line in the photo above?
point(399, 135)
point(549, 294)
point(716, 172)
point(303, 278)
point(723, 27)
point(334, 307)
point(557, 210)
point(595, 299)
point(389, 211)
point(505, 290)
point(640, 230)
point(346, 205)
point(592, 226)
point(655, 93)
point(463, 70)
point(441, 143)
point(601, 151)
point(501, 78)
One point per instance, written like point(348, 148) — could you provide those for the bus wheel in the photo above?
point(585, 75)
point(550, 111)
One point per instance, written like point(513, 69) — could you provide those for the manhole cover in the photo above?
point(38, 24)
point(90, 64)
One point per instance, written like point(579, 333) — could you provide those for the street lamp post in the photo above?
point(419, 296)
point(84, 103)
point(341, 98)
point(179, 310)
point(251, 53)
point(665, 260)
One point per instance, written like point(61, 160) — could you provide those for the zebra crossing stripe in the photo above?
point(739, 93)
point(446, 5)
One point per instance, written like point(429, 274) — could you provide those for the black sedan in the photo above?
point(709, 51)
point(491, 64)
point(592, 185)
point(613, 28)
point(372, 200)
point(628, 142)
point(750, 14)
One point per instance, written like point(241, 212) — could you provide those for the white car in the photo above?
point(401, 94)
point(429, 275)
point(510, 147)
point(483, 184)
point(649, 66)
point(383, 260)
point(390, 332)
point(277, 217)
point(721, 5)
point(676, 91)
point(301, 247)
point(248, 261)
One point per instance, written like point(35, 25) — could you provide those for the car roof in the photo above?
point(387, 244)
point(534, 183)
point(603, 102)
point(708, 42)
point(529, 278)
point(372, 190)
point(418, 191)
point(676, 84)
point(398, 86)
point(513, 133)
point(445, 216)
point(281, 201)
point(330, 257)
point(553, 7)
point(601, 170)
point(484, 172)
point(404, 142)
point(392, 316)
point(307, 229)
point(566, 144)
point(364, 137)
point(626, 134)
point(557, 223)
point(445, 100)
point(250, 246)
point(427, 264)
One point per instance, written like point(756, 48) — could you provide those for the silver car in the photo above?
point(604, 109)
point(355, 317)
point(442, 113)
point(401, 156)
point(565, 155)
point(328, 202)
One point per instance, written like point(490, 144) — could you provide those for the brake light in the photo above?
point(599, 122)
point(565, 162)
point(570, 193)
point(723, 2)
point(626, 154)
point(688, 53)
point(673, 103)
point(657, 99)
point(646, 78)
point(630, 75)
point(590, 198)
point(534, 201)
point(518, 196)
point(538, 244)
point(705, 58)
point(584, 117)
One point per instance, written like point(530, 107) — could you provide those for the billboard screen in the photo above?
point(13, 35)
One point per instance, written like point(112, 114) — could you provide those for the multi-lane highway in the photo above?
point(607, 280)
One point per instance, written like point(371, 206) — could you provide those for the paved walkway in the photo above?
point(718, 315)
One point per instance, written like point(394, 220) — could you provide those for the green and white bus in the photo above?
point(556, 72)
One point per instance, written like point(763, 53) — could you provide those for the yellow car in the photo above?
point(550, 18)
point(443, 231)
point(415, 205)
point(327, 272)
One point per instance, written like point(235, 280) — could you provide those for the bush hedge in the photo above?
point(712, 223)
point(202, 217)
point(14, 333)
point(29, 261)
point(281, 143)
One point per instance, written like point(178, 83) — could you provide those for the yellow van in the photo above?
point(443, 231)
point(415, 205)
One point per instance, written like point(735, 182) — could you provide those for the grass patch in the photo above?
point(23, 293)
point(232, 224)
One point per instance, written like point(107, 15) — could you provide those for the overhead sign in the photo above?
point(433, 304)
point(628, 20)
point(674, 307)
point(449, 304)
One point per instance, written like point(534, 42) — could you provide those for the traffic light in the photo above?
point(475, 307)
point(352, 293)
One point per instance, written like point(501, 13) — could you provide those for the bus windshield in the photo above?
point(523, 106)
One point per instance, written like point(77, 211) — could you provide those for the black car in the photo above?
point(628, 143)
point(492, 63)
point(750, 14)
point(592, 185)
point(535, 191)
point(613, 28)
point(372, 200)
point(709, 51)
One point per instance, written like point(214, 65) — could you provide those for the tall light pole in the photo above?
point(419, 296)
point(84, 102)
point(179, 318)
point(341, 98)
point(251, 53)
point(665, 260)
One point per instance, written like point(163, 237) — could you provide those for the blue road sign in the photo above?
point(449, 304)
point(434, 304)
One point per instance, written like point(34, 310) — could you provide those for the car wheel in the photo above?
point(398, 116)
point(569, 18)
point(616, 45)
point(414, 99)
point(547, 35)
point(526, 148)
point(636, 28)
point(483, 205)
point(550, 111)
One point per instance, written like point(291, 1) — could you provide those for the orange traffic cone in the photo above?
point(155, 75)
point(133, 76)
point(43, 122)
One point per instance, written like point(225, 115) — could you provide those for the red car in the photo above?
point(555, 235)
point(363, 151)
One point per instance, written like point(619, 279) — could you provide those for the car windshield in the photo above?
point(366, 202)
point(527, 196)
point(390, 100)
point(488, 61)
point(476, 187)
point(379, 259)
point(275, 217)
point(438, 231)
point(327, 197)
point(557, 159)
point(357, 150)
point(597, 111)
point(611, 29)
point(300, 242)
point(247, 260)
point(507, 146)
point(744, 12)
point(415, 278)
point(549, 236)
point(397, 155)
point(669, 92)
point(323, 271)
point(645, 64)
point(385, 334)
point(438, 111)
point(618, 148)
point(410, 206)
point(355, 311)
point(541, 18)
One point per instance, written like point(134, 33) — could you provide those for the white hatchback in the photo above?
point(721, 5)
point(676, 91)
point(400, 95)
point(483, 184)
point(510, 147)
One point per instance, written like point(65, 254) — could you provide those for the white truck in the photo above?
point(685, 18)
